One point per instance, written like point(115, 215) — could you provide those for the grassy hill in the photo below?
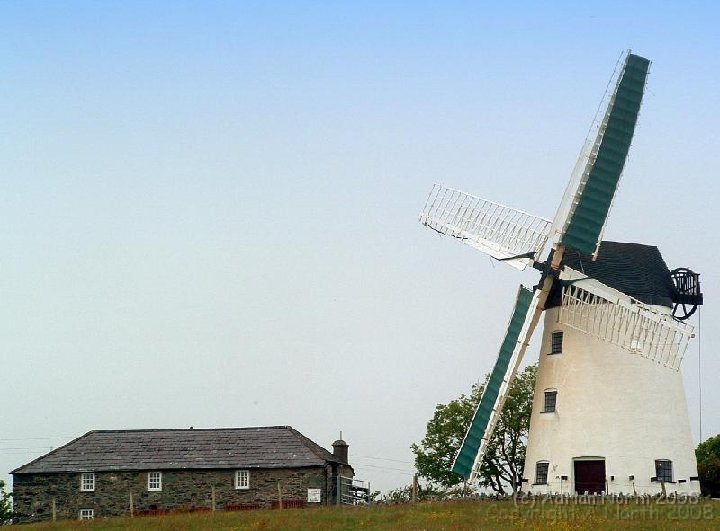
point(450, 515)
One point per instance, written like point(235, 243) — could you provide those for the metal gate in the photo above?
point(352, 491)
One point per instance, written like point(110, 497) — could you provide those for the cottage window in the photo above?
point(242, 479)
point(663, 470)
point(87, 514)
point(154, 480)
point(541, 472)
point(550, 401)
point(87, 481)
point(556, 343)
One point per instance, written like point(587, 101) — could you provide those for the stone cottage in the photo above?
point(136, 472)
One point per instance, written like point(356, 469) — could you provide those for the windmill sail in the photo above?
point(502, 232)
point(581, 217)
point(468, 460)
point(592, 307)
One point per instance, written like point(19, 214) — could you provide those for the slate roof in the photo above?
point(120, 450)
point(633, 268)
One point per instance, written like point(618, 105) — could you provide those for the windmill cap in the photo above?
point(634, 269)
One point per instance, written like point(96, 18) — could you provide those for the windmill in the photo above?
point(609, 410)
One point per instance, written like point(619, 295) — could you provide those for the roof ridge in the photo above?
point(147, 430)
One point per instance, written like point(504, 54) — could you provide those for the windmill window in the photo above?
point(550, 401)
point(154, 481)
point(242, 479)
point(87, 514)
point(87, 481)
point(541, 472)
point(663, 470)
point(556, 343)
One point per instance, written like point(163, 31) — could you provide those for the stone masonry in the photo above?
point(182, 490)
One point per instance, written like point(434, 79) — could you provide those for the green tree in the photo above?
point(505, 455)
point(708, 461)
point(5, 505)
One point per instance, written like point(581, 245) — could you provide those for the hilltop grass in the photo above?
point(449, 515)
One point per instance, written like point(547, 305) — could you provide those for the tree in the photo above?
point(505, 456)
point(5, 505)
point(708, 461)
point(445, 431)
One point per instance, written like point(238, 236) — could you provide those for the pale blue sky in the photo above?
point(209, 208)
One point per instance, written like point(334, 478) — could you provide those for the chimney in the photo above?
point(340, 449)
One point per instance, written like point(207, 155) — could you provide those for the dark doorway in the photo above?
point(590, 477)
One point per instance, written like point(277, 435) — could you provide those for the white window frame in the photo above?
point(87, 482)
point(154, 481)
point(546, 471)
point(86, 514)
point(242, 479)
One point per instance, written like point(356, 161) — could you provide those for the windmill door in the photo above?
point(590, 476)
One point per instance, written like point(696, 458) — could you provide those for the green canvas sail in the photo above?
point(615, 135)
point(493, 395)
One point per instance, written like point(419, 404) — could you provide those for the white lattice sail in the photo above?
point(581, 218)
point(500, 231)
point(608, 314)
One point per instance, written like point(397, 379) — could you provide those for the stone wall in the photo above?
point(183, 490)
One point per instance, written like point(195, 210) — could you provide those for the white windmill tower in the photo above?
point(609, 410)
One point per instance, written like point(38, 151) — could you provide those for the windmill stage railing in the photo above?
point(625, 322)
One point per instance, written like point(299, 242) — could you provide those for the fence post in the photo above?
point(415, 488)
point(212, 497)
point(280, 505)
point(132, 506)
point(54, 510)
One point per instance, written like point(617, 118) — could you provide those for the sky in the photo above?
point(208, 210)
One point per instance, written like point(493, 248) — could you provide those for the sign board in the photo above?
point(314, 495)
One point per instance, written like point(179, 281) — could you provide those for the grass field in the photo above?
point(461, 514)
